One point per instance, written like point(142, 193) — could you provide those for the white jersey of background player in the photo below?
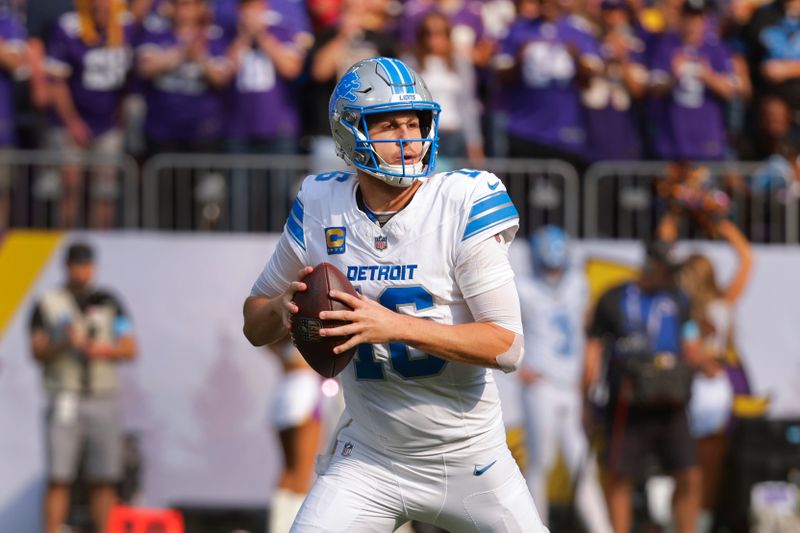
point(422, 436)
point(554, 301)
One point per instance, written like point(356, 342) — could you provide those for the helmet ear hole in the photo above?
point(350, 116)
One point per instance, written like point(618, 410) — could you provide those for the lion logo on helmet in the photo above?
point(344, 89)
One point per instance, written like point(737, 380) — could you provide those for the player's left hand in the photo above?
point(370, 322)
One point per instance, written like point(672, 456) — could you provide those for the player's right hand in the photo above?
point(287, 307)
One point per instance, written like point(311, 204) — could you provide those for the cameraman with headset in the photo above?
point(644, 331)
point(79, 335)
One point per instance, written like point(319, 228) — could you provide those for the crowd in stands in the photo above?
point(585, 80)
point(577, 80)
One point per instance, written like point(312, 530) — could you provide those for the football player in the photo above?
point(422, 436)
point(554, 302)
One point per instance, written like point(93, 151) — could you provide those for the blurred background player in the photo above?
point(296, 416)
point(79, 335)
point(554, 302)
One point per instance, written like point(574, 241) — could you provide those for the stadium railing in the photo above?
point(34, 182)
point(231, 192)
point(254, 192)
point(621, 199)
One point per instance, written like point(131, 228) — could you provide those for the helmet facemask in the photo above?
point(404, 174)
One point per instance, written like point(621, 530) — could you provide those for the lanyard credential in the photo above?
point(644, 317)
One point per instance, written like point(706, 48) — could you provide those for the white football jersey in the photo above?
point(553, 321)
point(403, 400)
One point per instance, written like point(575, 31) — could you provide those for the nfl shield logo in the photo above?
point(381, 242)
point(347, 449)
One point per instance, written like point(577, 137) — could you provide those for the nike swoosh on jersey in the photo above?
point(494, 185)
point(480, 471)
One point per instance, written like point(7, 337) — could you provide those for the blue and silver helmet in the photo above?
point(549, 249)
point(382, 85)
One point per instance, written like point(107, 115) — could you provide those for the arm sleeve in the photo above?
point(280, 270)
point(289, 255)
point(484, 267)
point(499, 306)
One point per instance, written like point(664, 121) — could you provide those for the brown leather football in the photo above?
point(318, 351)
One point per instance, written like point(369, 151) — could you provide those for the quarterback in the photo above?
point(422, 436)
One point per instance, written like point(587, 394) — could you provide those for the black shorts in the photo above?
point(636, 436)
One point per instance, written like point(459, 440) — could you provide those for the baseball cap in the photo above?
point(78, 253)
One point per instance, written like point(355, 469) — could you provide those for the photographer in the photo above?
point(78, 335)
point(645, 331)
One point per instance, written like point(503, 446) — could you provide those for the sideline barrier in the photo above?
point(103, 190)
point(254, 192)
point(232, 192)
point(621, 201)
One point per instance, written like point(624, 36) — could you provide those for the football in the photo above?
point(317, 350)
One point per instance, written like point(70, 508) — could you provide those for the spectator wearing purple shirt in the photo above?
point(268, 54)
point(611, 125)
point(543, 60)
point(12, 58)
point(291, 14)
point(88, 60)
point(184, 65)
point(692, 74)
point(267, 57)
